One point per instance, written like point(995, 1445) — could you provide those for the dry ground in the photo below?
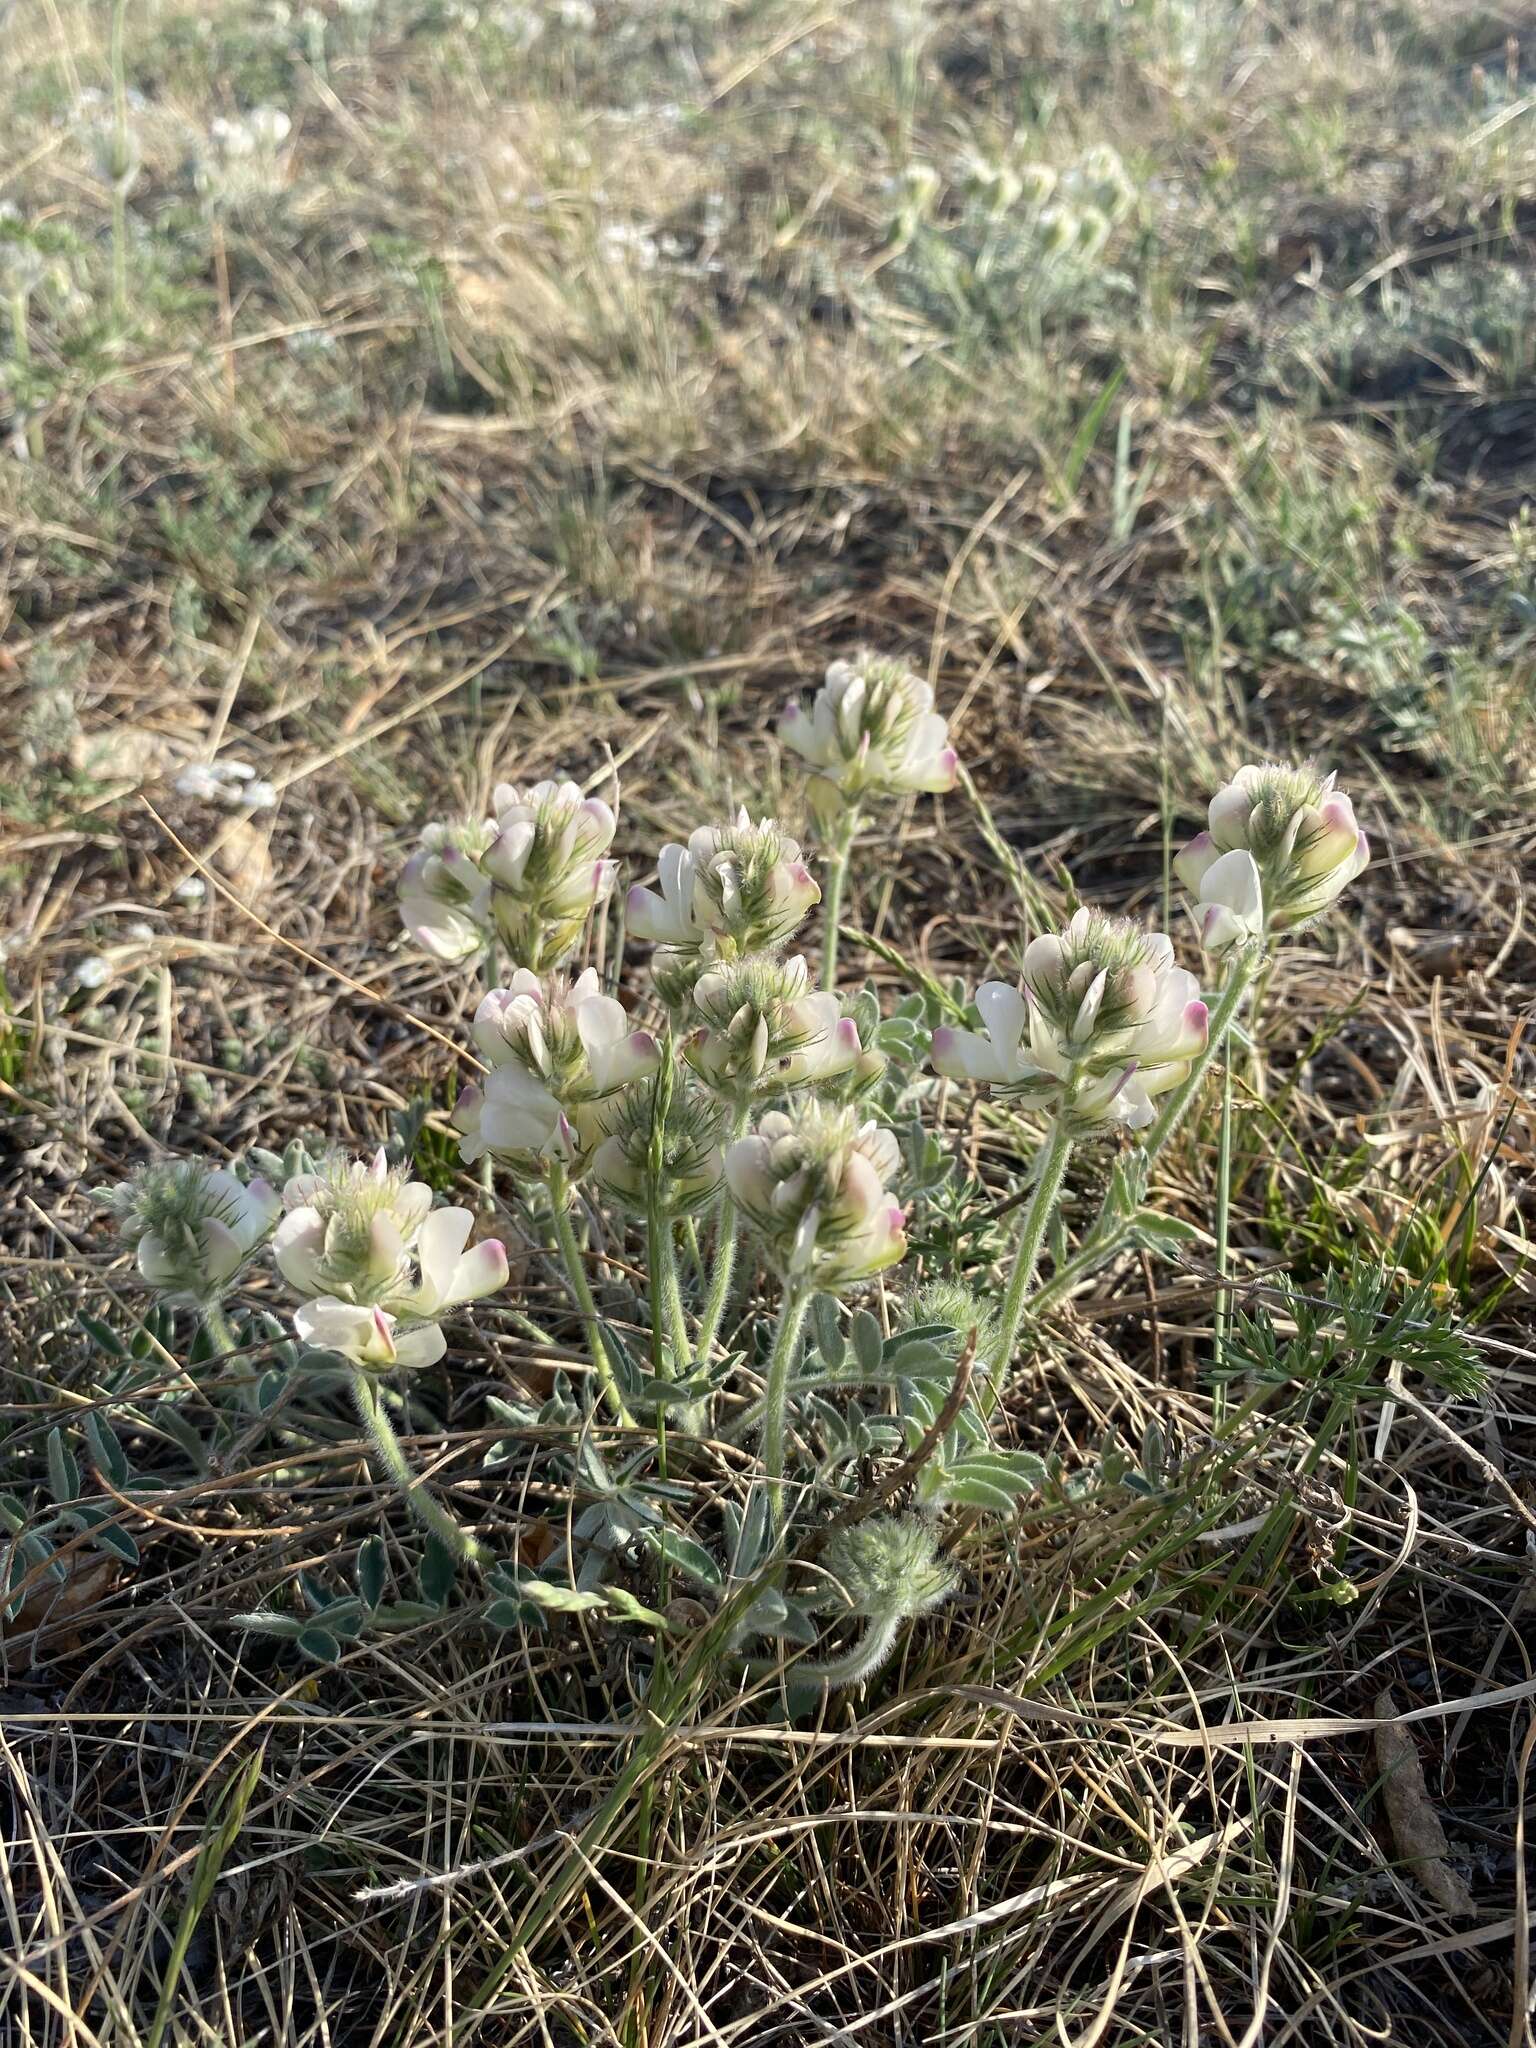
point(570, 385)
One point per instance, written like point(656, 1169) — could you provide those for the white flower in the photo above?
point(545, 868)
point(194, 1226)
point(764, 1027)
point(367, 1336)
point(734, 889)
point(235, 784)
point(812, 1183)
point(1107, 1022)
point(1282, 845)
point(558, 1051)
point(443, 896)
point(1230, 890)
point(360, 1234)
point(872, 730)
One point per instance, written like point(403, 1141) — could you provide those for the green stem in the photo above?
point(220, 1331)
point(666, 1295)
point(727, 1235)
point(434, 1518)
point(786, 1344)
point(1223, 1304)
point(859, 1661)
point(575, 1272)
point(119, 193)
point(1052, 1177)
point(837, 872)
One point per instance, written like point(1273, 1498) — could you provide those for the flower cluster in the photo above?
point(762, 1027)
point(193, 1226)
point(377, 1266)
point(733, 889)
point(546, 868)
point(871, 731)
point(559, 1052)
point(530, 876)
point(1282, 845)
point(1106, 1022)
point(812, 1182)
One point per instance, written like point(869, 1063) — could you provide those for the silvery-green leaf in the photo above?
point(63, 1471)
point(829, 1337)
point(685, 1554)
point(372, 1560)
point(436, 1572)
point(868, 1341)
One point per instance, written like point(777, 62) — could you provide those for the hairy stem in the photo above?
point(576, 1273)
point(1037, 1217)
point(859, 1661)
point(786, 1344)
point(667, 1316)
point(1223, 1303)
point(433, 1517)
point(727, 1232)
point(837, 871)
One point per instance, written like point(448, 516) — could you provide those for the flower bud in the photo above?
point(1106, 1022)
point(889, 1568)
point(667, 1150)
point(764, 1028)
point(872, 731)
point(545, 868)
point(812, 1183)
point(193, 1226)
point(1282, 844)
point(558, 1051)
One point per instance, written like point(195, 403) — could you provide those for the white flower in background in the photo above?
point(733, 889)
point(559, 1052)
point(546, 868)
point(444, 899)
point(871, 731)
point(244, 159)
point(1282, 845)
point(1106, 1023)
point(812, 1183)
point(670, 1149)
point(358, 1235)
point(235, 784)
point(764, 1027)
point(193, 1226)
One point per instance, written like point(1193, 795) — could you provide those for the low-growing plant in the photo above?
point(721, 1180)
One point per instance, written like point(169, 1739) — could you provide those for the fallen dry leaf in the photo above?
point(240, 854)
point(1417, 1835)
point(54, 1614)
